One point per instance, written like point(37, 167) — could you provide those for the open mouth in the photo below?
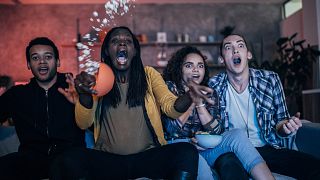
point(236, 60)
point(43, 70)
point(122, 57)
point(195, 76)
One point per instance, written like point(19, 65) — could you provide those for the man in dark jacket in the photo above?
point(43, 115)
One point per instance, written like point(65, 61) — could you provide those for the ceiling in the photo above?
point(16, 2)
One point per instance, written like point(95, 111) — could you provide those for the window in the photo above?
point(290, 7)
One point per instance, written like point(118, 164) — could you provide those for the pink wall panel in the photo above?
point(22, 23)
point(293, 24)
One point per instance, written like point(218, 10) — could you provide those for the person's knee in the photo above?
point(236, 139)
point(61, 164)
point(229, 166)
point(229, 161)
point(187, 157)
point(68, 165)
point(187, 150)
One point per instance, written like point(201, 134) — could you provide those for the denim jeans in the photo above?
point(235, 141)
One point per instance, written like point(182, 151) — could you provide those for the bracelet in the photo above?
point(201, 105)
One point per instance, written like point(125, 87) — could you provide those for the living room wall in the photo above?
point(20, 23)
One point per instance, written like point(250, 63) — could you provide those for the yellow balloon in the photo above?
point(104, 80)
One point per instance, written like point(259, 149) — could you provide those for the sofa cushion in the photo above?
point(307, 139)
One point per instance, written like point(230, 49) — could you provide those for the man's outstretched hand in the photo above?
point(69, 93)
point(291, 125)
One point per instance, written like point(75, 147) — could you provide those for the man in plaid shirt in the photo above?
point(253, 100)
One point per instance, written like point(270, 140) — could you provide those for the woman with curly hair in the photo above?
point(188, 64)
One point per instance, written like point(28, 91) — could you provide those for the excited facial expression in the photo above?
point(43, 63)
point(121, 49)
point(235, 54)
point(193, 68)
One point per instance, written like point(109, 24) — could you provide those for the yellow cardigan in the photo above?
point(158, 96)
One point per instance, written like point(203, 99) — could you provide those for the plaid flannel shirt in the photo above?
point(268, 97)
point(173, 129)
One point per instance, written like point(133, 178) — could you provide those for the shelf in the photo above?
point(74, 45)
point(217, 66)
point(98, 44)
point(180, 44)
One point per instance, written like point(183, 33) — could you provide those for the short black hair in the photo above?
point(42, 41)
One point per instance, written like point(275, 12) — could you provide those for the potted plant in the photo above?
point(294, 65)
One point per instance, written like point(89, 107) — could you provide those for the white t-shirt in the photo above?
point(242, 114)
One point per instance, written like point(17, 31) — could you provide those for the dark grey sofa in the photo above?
point(308, 138)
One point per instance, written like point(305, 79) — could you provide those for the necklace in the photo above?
point(246, 121)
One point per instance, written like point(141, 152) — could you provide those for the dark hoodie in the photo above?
point(43, 119)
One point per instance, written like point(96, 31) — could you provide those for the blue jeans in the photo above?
point(235, 141)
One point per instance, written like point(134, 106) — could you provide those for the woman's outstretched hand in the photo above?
point(197, 92)
point(84, 84)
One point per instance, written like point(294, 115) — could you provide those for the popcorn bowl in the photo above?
point(207, 140)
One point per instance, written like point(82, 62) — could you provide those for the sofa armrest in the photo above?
point(308, 139)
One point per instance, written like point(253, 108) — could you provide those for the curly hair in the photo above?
point(173, 71)
point(137, 81)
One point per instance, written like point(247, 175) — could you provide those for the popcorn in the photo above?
point(105, 21)
point(95, 14)
point(112, 8)
point(86, 51)
point(80, 58)
point(87, 36)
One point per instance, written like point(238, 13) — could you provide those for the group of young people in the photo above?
point(144, 126)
